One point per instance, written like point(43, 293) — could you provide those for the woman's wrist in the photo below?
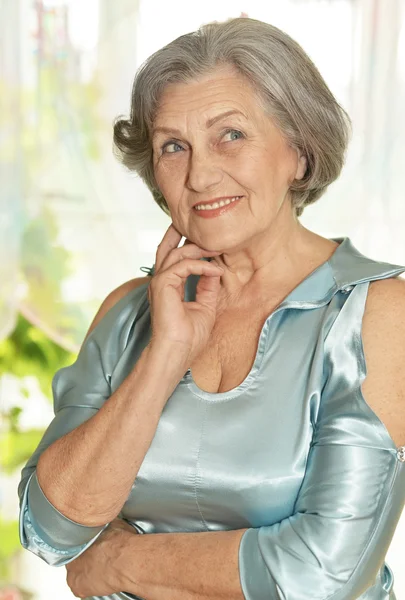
point(125, 561)
point(163, 347)
point(169, 358)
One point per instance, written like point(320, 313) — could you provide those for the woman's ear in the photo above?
point(302, 165)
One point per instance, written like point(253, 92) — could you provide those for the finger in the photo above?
point(207, 291)
point(181, 270)
point(189, 251)
point(169, 241)
point(196, 267)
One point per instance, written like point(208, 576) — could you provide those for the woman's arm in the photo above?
point(90, 453)
point(88, 473)
point(174, 566)
point(353, 493)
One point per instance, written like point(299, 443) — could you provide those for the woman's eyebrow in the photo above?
point(210, 122)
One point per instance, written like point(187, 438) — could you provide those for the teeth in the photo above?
point(216, 204)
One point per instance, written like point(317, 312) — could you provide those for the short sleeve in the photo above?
point(333, 545)
point(79, 390)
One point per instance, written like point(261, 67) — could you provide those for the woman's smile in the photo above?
point(208, 211)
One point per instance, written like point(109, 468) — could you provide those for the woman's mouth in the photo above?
point(215, 209)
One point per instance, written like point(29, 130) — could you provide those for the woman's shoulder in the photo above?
point(115, 299)
point(384, 313)
point(383, 335)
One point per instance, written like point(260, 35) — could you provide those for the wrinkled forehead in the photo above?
point(204, 101)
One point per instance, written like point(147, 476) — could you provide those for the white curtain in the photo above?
point(74, 223)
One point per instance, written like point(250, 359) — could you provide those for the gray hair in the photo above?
point(288, 84)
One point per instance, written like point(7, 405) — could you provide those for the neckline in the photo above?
point(292, 299)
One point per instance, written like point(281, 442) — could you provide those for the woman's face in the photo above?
point(242, 154)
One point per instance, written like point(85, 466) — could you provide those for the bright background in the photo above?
point(74, 223)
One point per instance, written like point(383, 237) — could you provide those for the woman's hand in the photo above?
point(173, 320)
point(94, 573)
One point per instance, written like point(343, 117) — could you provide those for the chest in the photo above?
point(228, 463)
point(229, 356)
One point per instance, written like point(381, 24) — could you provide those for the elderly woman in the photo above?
point(221, 403)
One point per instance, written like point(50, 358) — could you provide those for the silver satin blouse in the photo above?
point(294, 453)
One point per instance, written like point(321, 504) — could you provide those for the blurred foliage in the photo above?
point(57, 113)
point(45, 266)
point(10, 544)
point(65, 107)
point(28, 351)
point(61, 121)
point(16, 447)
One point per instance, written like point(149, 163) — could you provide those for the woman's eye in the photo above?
point(167, 145)
point(232, 131)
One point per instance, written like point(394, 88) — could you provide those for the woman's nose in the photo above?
point(203, 173)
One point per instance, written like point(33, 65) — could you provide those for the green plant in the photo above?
point(27, 351)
